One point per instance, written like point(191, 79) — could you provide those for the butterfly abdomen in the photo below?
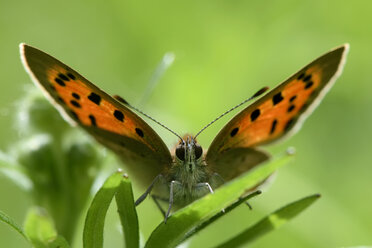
point(188, 187)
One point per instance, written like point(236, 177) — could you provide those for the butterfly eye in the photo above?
point(180, 152)
point(198, 151)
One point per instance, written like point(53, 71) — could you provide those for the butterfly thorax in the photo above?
point(189, 172)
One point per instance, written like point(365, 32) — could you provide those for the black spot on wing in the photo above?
point(75, 103)
point(63, 77)
point(60, 82)
point(92, 120)
point(291, 108)
point(273, 126)
point(309, 84)
point(139, 132)
point(300, 76)
point(307, 78)
point(234, 132)
point(94, 98)
point(70, 75)
point(119, 115)
point(277, 98)
point(255, 114)
point(75, 95)
point(292, 98)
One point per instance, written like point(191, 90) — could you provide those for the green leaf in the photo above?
point(94, 222)
point(220, 214)
point(6, 219)
point(127, 212)
point(185, 220)
point(271, 222)
point(39, 227)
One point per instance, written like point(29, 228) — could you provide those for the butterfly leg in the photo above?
point(148, 191)
point(156, 198)
point(171, 198)
point(249, 205)
point(209, 188)
point(199, 185)
point(257, 192)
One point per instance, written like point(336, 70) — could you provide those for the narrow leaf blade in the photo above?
point(271, 222)
point(95, 219)
point(128, 214)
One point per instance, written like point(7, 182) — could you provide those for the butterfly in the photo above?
point(185, 173)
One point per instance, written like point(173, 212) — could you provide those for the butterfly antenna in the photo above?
point(120, 99)
point(258, 93)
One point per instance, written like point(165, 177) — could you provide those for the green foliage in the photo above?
point(271, 222)
point(127, 213)
point(94, 222)
point(55, 164)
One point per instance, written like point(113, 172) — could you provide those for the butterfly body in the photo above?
point(187, 173)
point(190, 175)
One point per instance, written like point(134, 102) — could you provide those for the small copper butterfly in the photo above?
point(186, 172)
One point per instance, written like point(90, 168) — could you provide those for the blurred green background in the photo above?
point(225, 51)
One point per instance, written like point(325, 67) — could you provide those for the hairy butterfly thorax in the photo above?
point(179, 177)
point(189, 173)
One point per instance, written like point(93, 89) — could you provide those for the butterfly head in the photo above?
point(188, 152)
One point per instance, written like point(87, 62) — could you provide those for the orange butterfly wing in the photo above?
point(110, 122)
point(282, 111)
